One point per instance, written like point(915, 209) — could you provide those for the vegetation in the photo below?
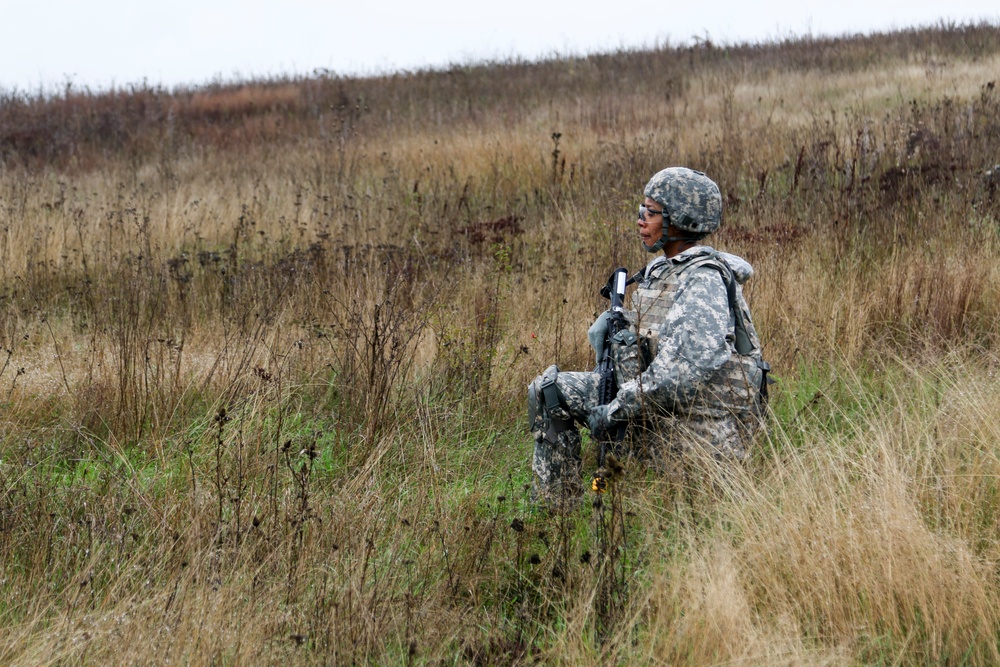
point(265, 345)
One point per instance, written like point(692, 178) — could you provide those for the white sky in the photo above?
point(46, 43)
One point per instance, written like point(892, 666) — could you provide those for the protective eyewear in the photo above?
point(643, 210)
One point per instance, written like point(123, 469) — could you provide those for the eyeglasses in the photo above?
point(644, 210)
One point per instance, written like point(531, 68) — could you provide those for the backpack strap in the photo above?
point(743, 344)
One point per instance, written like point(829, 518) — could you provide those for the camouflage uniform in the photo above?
point(682, 385)
point(695, 391)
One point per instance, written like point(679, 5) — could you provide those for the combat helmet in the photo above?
point(691, 202)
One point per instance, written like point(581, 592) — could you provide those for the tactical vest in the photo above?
point(736, 387)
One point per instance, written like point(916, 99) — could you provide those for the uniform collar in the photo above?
point(659, 259)
point(660, 263)
point(691, 253)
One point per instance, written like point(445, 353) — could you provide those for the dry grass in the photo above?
point(265, 347)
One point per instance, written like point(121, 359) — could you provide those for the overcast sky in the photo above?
point(46, 43)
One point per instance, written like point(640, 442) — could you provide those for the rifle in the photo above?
point(607, 387)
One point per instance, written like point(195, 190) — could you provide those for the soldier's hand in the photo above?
point(598, 332)
point(599, 420)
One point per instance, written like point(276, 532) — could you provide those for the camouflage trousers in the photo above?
point(557, 463)
point(660, 439)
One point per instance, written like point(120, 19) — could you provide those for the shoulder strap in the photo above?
point(743, 344)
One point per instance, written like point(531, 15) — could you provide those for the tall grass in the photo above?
point(265, 344)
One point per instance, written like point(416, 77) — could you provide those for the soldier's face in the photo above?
point(651, 225)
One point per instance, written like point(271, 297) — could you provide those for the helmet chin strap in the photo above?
point(664, 240)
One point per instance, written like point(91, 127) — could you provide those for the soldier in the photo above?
point(690, 378)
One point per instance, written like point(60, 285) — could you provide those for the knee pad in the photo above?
point(533, 407)
point(555, 416)
point(543, 396)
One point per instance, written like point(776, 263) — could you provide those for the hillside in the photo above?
point(266, 344)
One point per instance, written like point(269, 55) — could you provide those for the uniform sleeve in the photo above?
point(692, 345)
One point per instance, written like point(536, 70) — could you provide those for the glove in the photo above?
point(599, 420)
point(598, 332)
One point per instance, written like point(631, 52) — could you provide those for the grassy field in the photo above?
point(265, 346)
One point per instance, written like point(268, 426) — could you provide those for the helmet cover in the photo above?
point(690, 199)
